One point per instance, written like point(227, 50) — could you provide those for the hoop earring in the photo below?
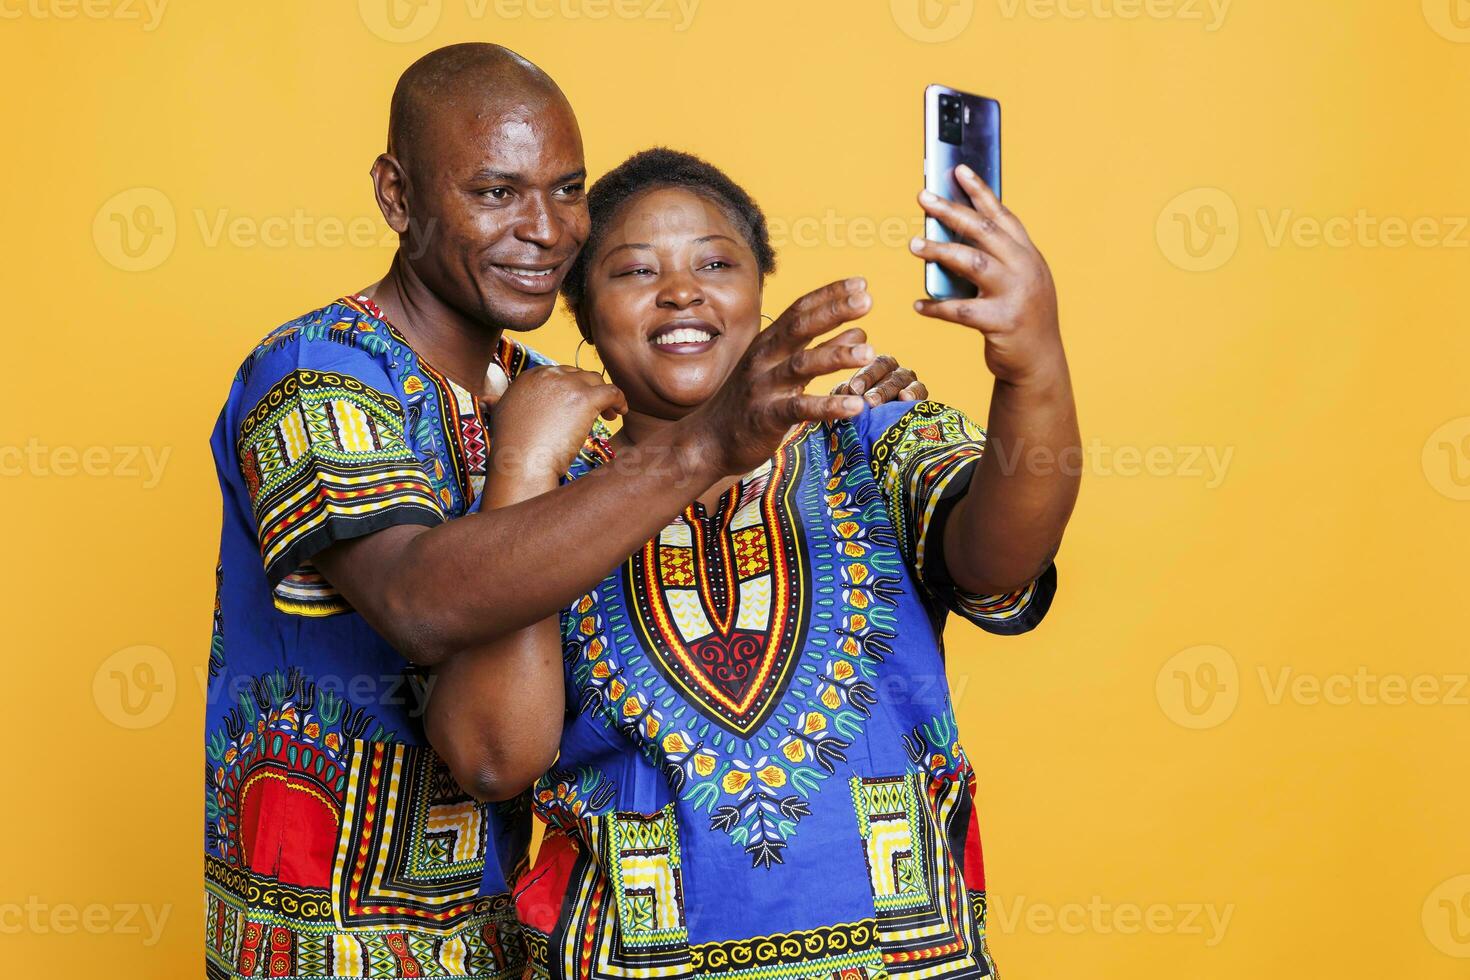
point(577, 358)
point(768, 318)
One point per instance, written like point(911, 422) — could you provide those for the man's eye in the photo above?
point(572, 190)
point(496, 193)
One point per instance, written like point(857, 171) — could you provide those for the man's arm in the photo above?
point(435, 591)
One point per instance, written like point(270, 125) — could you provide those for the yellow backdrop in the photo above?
point(1238, 745)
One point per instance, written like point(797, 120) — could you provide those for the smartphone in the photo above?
point(958, 128)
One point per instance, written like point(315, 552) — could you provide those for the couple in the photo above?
point(712, 640)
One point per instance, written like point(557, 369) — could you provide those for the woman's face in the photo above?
point(674, 299)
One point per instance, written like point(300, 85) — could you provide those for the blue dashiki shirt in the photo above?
point(336, 842)
point(760, 776)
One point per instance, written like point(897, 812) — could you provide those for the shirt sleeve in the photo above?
point(324, 456)
point(923, 455)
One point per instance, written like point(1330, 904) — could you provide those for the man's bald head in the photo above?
point(484, 183)
point(460, 77)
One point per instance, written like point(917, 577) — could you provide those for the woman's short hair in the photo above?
point(656, 169)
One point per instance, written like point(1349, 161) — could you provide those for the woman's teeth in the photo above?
point(685, 335)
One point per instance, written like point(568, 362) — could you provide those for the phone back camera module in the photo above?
point(951, 122)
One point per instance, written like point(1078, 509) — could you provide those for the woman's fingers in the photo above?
point(869, 376)
point(815, 314)
point(815, 408)
point(966, 223)
point(846, 351)
point(892, 387)
point(987, 203)
point(966, 261)
point(980, 313)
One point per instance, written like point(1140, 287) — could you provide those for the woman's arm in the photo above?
point(495, 711)
point(1008, 526)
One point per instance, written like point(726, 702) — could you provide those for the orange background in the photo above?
point(1249, 699)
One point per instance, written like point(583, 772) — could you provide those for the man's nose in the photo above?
point(537, 224)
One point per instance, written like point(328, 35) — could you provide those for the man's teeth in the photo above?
point(684, 335)
point(537, 273)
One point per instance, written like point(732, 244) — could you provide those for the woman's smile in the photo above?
point(684, 335)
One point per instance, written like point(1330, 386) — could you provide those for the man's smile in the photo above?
point(536, 278)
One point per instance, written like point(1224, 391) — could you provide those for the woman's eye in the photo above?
point(640, 271)
point(717, 264)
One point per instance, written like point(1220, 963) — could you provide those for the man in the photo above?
point(352, 455)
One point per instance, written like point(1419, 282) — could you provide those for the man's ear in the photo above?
point(390, 186)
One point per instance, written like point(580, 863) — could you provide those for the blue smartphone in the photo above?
point(958, 128)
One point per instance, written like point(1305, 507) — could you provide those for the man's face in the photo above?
point(497, 208)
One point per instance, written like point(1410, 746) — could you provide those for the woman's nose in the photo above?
point(679, 291)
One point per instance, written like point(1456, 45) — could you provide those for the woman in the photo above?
point(760, 774)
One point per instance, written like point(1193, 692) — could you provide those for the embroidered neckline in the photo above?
point(598, 450)
point(510, 356)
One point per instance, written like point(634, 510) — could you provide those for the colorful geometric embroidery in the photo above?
point(412, 847)
point(915, 462)
point(627, 914)
point(281, 745)
point(729, 645)
point(756, 769)
point(646, 879)
point(320, 447)
point(616, 910)
point(752, 764)
point(258, 927)
point(279, 908)
point(330, 848)
point(847, 951)
point(926, 916)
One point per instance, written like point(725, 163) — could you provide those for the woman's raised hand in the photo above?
point(1017, 306)
point(765, 395)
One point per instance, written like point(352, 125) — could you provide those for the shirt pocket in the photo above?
point(913, 826)
point(622, 909)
